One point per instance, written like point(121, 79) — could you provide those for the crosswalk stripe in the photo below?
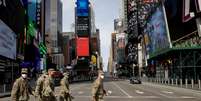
point(121, 89)
point(139, 92)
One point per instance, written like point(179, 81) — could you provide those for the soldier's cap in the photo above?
point(44, 72)
point(66, 74)
point(101, 72)
point(24, 71)
point(51, 69)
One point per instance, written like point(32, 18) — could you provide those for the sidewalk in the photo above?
point(7, 92)
point(178, 85)
point(4, 94)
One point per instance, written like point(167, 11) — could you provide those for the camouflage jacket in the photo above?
point(48, 87)
point(21, 90)
point(64, 86)
point(97, 88)
point(39, 85)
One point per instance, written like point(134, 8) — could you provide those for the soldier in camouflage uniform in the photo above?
point(48, 87)
point(21, 88)
point(98, 91)
point(39, 86)
point(64, 89)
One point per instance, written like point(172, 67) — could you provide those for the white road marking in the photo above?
point(187, 97)
point(121, 89)
point(139, 97)
point(75, 88)
point(167, 92)
point(139, 92)
point(151, 91)
point(80, 92)
point(126, 97)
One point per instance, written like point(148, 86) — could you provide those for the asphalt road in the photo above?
point(123, 91)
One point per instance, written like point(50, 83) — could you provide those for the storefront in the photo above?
point(181, 59)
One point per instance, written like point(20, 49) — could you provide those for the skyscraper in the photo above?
point(53, 28)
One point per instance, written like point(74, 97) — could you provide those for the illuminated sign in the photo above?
point(82, 26)
point(82, 46)
point(157, 36)
point(7, 41)
point(82, 7)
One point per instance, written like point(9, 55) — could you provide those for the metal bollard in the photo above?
point(4, 88)
point(172, 82)
point(186, 82)
point(168, 81)
point(176, 82)
point(181, 83)
point(199, 84)
point(192, 83)
point(157, 80)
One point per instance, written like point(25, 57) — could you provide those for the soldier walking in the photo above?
point(21, 88)
point(39, 86)
point(48, 87)
point(64, 88)
point(98, 91)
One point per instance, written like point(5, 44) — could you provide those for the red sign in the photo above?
point(82, 46)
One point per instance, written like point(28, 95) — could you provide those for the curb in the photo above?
point(5, 95)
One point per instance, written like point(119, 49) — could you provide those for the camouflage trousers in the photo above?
point(66, 98)
point(49, 99)
point(99, 99)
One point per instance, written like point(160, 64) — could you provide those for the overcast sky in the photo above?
point(105, 13)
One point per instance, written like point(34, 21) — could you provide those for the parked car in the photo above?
point(135, 80)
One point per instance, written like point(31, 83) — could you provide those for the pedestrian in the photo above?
point(48, 87)
point(98, 91)
point(39, 86)
point(64, 88)
point(21, 88)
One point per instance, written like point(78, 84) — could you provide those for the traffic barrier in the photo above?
point(192, 83)
point(199, 84)
point(176, 82)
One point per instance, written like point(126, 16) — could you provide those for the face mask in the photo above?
point(102, 77)
point(24, 76)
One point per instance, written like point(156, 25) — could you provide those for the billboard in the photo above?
point(82, 46)
point(121, 40)
point(32, 10)
point(82, 7)
point(82, 26)
point(156, 36)
point(12, 14)
point(7, 41)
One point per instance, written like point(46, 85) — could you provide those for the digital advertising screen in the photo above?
point(156, 36)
